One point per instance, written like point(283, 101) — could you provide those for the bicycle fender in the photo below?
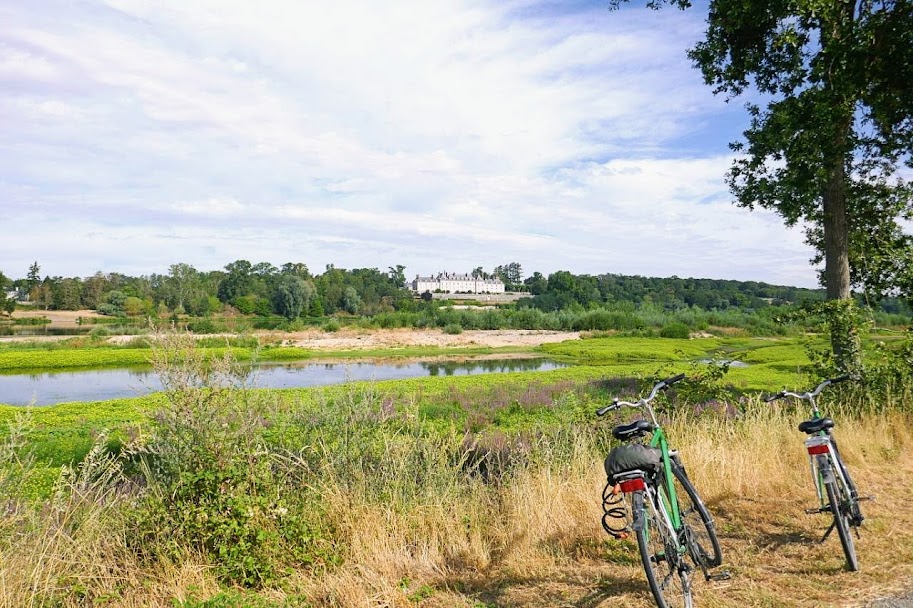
point(825, 470)
point(637, 511)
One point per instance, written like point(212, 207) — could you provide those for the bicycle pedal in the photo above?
point(659, 557)
point(818, 511)
point(866, 498)
point(725, 575)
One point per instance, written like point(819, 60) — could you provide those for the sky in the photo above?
point(441, 135)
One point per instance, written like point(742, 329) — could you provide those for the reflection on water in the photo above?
point(41, 330)
point(730, 362)
point(49, 388)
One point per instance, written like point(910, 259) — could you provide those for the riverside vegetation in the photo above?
point(479, 491)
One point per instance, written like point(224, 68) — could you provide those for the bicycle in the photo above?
point(653, 478)
point(836, 491)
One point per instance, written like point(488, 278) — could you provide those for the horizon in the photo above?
point(444, 135)
point(408, 274)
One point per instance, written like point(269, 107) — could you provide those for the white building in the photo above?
point(448, 282)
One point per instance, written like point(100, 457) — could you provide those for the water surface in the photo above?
point(49, 388)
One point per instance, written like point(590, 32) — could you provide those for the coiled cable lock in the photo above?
point(615, 512)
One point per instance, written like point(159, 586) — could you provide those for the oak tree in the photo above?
point(831, 107)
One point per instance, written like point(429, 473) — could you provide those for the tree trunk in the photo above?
point(845, 343)
point(836, 235)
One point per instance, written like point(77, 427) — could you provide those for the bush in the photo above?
point(214, 483)
point(202, 326)
point(675, 330)
point(453, 329)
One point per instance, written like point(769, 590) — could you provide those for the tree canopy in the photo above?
point(831, 110)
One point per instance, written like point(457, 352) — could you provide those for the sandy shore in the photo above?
point(346, 338)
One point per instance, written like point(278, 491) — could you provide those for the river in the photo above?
point(50, 388)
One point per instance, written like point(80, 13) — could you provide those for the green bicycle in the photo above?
point(837, 494)
point(668, 517)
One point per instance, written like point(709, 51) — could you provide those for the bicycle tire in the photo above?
point(855, 513)
point(670, 588)
point(838, 498)
point(697, 518)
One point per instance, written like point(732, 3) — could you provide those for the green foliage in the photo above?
point(19, 474)
point(213, 480)
point(829, 146)
point(453, 329)
point(675, 330)
point(240, 599)
point(843, 321)
point(101, 357)
point(887, 376)
point(705, 383)
point(31, 321)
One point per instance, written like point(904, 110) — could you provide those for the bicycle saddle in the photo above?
point(638, 428)
point(816, 425)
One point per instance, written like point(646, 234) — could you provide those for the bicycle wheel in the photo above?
point(839, 499)
point(855, 513)
point(706, 550)
point(669, 583)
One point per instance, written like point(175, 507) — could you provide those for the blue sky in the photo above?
point(440, 135)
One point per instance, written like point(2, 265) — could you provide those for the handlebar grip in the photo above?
point(840, 378)
point(604, 410)
point(774, 397)
point(673, 379)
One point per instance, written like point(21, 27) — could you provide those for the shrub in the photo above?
point(453, 329)
point(214, 483)
point(675, 329)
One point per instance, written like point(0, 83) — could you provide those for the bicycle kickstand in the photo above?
point(828, 533)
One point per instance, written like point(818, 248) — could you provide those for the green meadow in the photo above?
point(64, 433)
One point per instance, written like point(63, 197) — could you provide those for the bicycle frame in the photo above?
point(824, 464)
point(669, 497)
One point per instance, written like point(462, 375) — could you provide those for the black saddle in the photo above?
point(816, 425)
point(638, 428)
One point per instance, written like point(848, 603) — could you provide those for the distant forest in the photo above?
point(292, 291)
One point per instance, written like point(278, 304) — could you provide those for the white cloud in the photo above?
point(437, 135)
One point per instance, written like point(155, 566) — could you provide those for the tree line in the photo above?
point(293, 291)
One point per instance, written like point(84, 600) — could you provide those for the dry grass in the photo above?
point(534, 540)
point(537, 540)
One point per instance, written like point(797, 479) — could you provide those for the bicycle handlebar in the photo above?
point(659, 386)
point(808, 396)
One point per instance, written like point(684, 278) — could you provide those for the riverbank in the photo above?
point(346, 338)
point(366, 339)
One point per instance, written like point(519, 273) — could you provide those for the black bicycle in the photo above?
point(837, 494)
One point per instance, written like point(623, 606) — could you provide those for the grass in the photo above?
point(37, 358)
point(533, 540)
point(450, 491)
